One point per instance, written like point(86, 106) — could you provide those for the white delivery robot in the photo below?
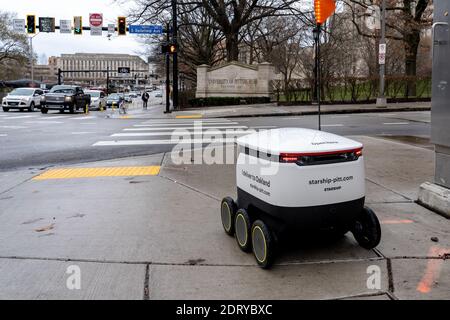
point(293, 180)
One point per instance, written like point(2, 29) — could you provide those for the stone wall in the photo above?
point(235, 80)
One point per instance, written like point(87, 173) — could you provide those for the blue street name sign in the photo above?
point(150, 29)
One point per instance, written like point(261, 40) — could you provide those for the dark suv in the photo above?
point(64, 97)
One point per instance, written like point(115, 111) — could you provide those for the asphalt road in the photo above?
point(33, 140)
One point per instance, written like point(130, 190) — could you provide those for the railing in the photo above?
point(354, 89)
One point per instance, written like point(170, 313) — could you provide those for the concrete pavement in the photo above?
point(160, 237)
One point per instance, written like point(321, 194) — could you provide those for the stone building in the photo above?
point(97, 62)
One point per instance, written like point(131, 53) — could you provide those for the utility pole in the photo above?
point(381, 100)
point(31, 59)
point(168, 71)
point(175, 54)
point(316, 33)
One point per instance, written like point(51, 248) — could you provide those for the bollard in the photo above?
point(101, 107)
point(86, 110)
point(112, 107)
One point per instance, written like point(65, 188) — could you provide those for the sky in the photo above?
point(54, 44)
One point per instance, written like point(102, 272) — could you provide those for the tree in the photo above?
point(13, 45)
point(228, 17)
point(406, 19)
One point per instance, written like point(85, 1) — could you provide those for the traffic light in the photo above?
point(78, 25)
point(122, 26)
point(168, 48)
point(323, 9)
point(31, 24)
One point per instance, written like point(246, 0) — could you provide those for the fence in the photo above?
point(353, 89)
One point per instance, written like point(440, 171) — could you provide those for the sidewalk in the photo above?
point(159, 236)
point(272, 110)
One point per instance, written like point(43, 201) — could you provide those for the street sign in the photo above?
point(111, 28)
point(148, 29)
point(46, 24)
point(96, 23)
point(19, 25)
point(124, 71)
point(382, 54)
point(373, 17)
point(65, 26)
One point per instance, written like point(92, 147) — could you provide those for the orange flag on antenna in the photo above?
point(323, 9)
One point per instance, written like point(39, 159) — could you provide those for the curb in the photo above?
point(308, 113)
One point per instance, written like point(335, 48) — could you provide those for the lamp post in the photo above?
point(381, 100)
point(316, 33)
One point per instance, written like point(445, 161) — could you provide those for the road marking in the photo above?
point(54, 117)
point(43, 122)
point(185, 124)
point(75, 133)
point(193, 116)
point(264, 127)
point(89, 123)
point(174, 133)
point(20, 117)
point(395, 123)
point(82, 118)
point(13, 127)
point(75, 173)
point(162, 142)
point(184, 128)
point(397, 221)
point(433, 269)
point(332, 125)
point(3, 135)
point(186, 120)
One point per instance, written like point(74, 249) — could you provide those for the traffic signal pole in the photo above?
point(168, 71)
point(317, 31)
point(175, 54)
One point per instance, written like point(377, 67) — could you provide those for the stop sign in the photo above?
point(96, 19)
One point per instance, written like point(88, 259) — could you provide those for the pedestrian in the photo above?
point(145, 97)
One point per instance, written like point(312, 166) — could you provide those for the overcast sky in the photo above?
point(55, 43)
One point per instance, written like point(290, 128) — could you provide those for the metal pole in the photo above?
point(107, 80)
point(31, 59)
point(381, 101)
point(168, 72)
point(59, 76)
point(318, 73)
point(175, 55)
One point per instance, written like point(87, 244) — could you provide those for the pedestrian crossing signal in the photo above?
point(122, 26)
point(31, 24)
point(172, 49)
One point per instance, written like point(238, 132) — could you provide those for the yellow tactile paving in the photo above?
point(74, 173)
point(192, 116)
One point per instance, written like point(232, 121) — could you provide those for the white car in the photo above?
point(98, 99)
point(22, 98)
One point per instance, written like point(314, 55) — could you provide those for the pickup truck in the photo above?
point(64, 97)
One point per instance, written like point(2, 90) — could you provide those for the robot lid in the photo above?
point(297, 140)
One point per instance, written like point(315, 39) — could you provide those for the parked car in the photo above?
point(114, 98)
point(98, 99)
point(64, 97)
point(22, 98)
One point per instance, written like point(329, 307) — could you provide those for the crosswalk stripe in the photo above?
point(19, 117)
point(161, 142)
point(185, 124)
point(170, 133)
point(43, 122)
point(183, 128)
point(186, 121)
